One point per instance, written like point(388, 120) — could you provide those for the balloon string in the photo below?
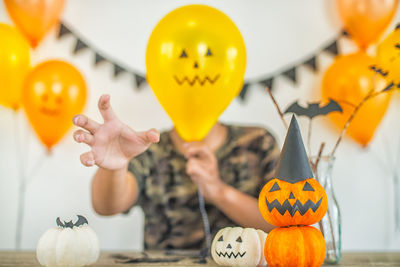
point(205, 221)
point(36, 168)
point(396, 175)
point(396, 201)
point(21, 183)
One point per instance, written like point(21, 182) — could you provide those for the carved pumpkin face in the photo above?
point(283, 203)
point(237, 246)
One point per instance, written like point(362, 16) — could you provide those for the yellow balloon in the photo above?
point(14, 65)
point(388, 55)
point(195, 60)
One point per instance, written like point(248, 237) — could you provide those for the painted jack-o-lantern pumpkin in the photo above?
point(283, 203)
point(237, 246)
point(293, 197)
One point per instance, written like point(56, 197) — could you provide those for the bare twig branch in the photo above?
point(277, 107)
point(314, 165)
point(321, 149)
point(309, 137)
point(370, 95)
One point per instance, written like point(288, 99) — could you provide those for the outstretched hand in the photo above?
point(113, 143)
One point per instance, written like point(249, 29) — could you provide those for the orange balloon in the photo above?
point(348, 80)
point(54, 91)
point(34, 17)
point(14, 65)
point(388, 56)
point(366, 20)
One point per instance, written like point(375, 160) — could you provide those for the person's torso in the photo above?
point(169, 197)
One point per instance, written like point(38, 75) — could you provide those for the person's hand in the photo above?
point(202, 167)
point(113, 143)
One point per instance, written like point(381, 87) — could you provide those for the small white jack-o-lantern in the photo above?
point(237, 246)
point(68, 245)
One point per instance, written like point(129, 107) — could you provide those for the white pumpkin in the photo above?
point(68, 245)
point(237, 246)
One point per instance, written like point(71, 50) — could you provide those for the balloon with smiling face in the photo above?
point(54, 91)
point(195, 62)
point(388, 55)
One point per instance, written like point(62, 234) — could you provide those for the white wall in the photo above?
point(277, 33)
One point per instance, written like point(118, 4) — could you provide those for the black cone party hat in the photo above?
point(293, 165)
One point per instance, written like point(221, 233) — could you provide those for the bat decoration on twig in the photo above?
point(313, 109)
point(81, 221)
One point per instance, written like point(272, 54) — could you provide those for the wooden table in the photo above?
point(28, 258)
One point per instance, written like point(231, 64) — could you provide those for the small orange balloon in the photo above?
point(348, 80)
point(34, 17)
point(366, 20)
point(14, 65)
point(54, 91)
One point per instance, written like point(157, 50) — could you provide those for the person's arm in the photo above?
point(202, 167)
point(113, 144)
point(113, 191)
point(241, 208)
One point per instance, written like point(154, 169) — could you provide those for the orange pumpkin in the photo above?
point(295, 246)
point(283, 203)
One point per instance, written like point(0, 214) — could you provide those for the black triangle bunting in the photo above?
point(118, 70)
point(332, 48)
point(311, 63)
point(80, 45)
point(63, 30)
point(291, 74)
point(98, 59)
point(243, 92)
point(139, 80)
point(269, 82)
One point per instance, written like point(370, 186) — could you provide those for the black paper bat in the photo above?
point(313, 109)
point(81, 220)
point(119, 258)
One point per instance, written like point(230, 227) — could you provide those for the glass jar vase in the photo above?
point(330, 225)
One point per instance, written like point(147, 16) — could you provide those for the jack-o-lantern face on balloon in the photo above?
point(50, 100)
point(54, 91)
point(388, 55)
point(200, 64)
point(302, 203)
point(195, 61)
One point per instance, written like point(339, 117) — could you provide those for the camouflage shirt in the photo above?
point(169, 198)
